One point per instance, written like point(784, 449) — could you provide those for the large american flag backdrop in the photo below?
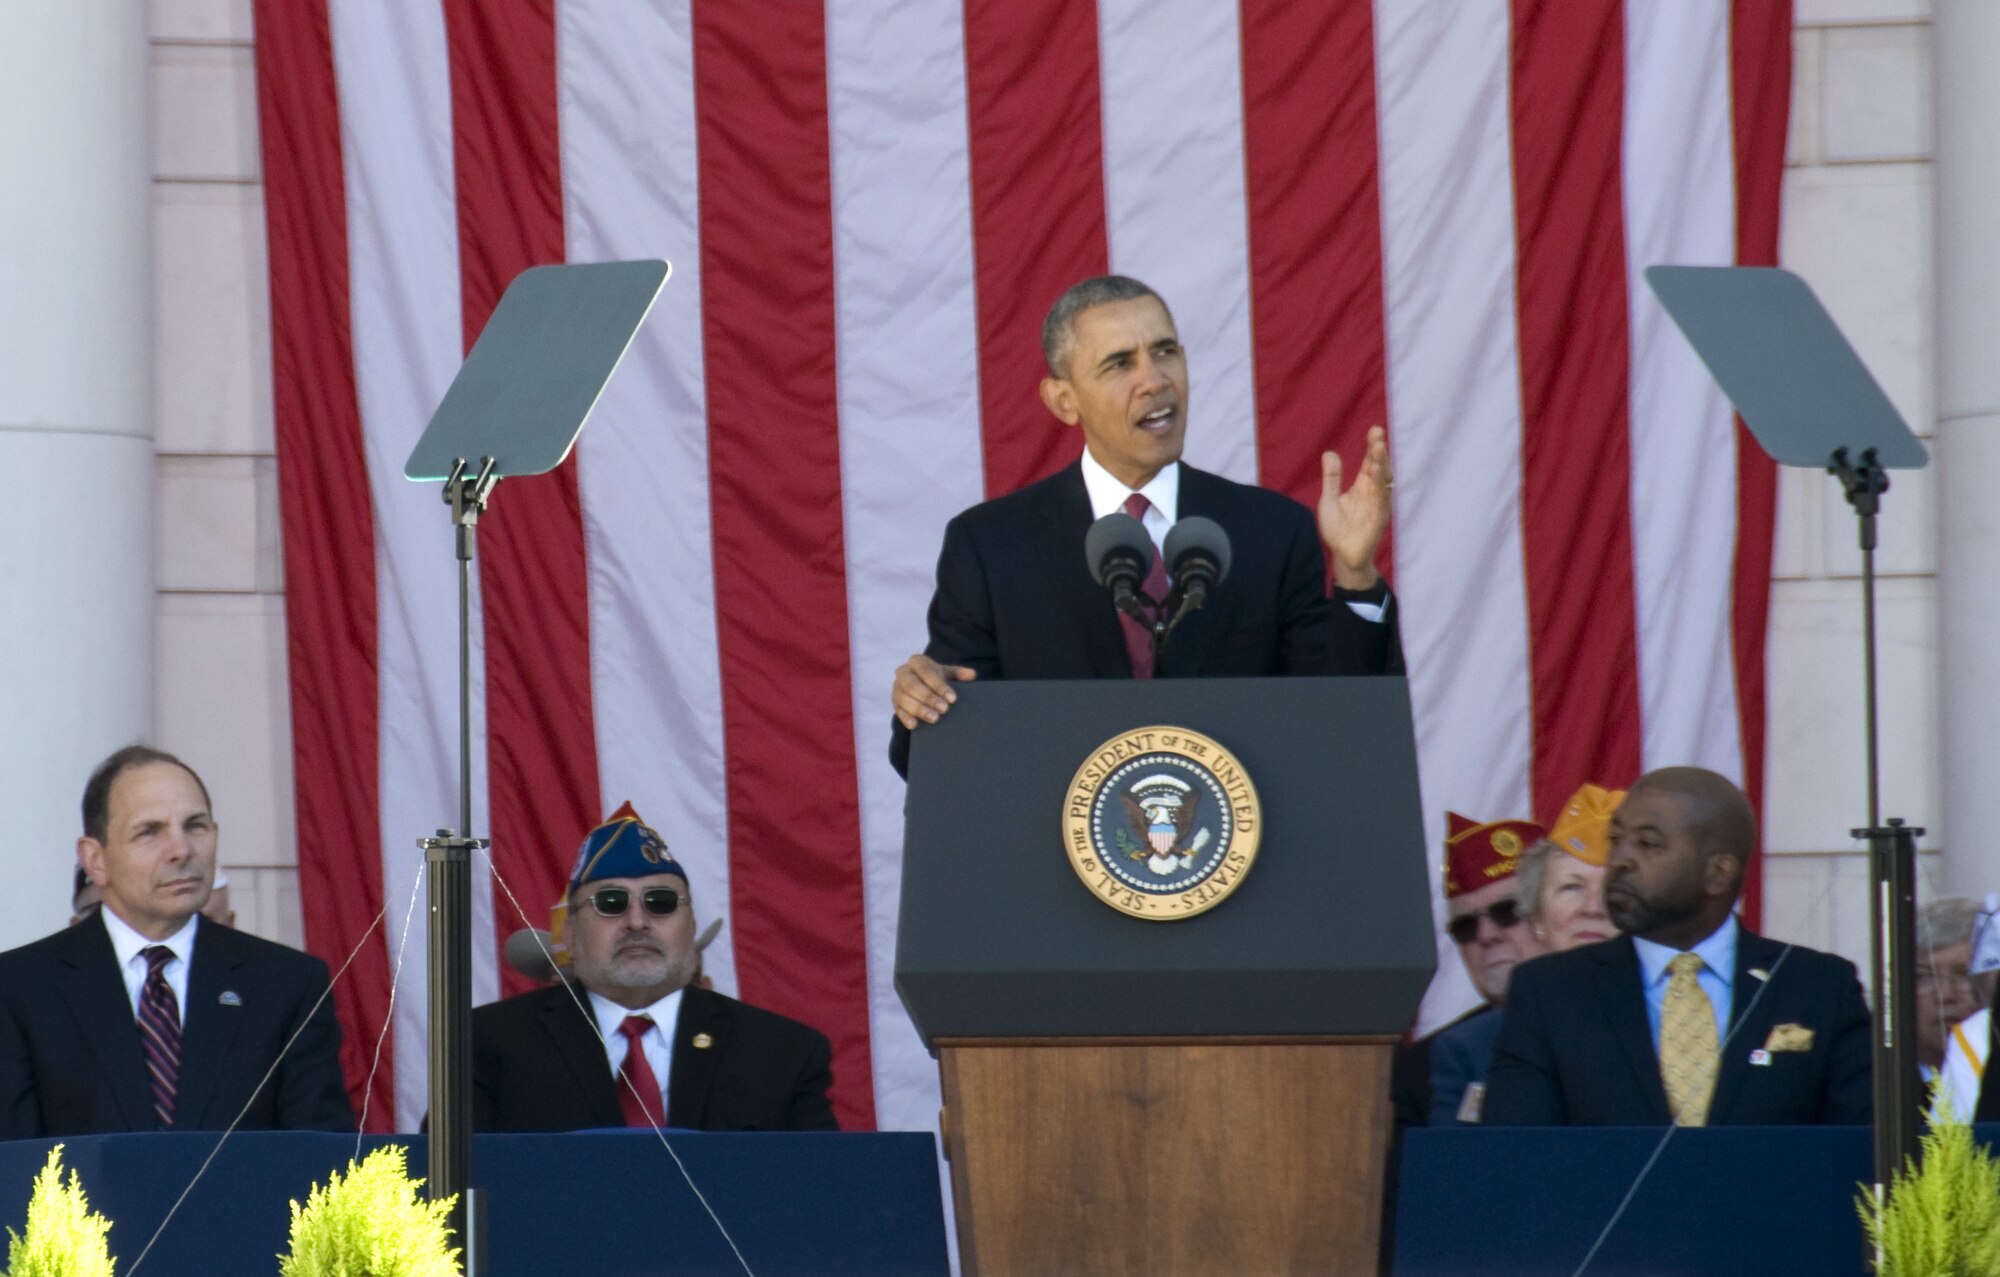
point(1426, 212)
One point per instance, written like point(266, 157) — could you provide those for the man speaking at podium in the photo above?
point(1016, 596)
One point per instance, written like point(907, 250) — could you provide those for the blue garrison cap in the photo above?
point(623, 847)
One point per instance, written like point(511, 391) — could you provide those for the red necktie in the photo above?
point(1138, 637)
point(638, 1089)
point(160, 1031)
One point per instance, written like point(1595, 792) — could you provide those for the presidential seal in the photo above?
point(1161, 823)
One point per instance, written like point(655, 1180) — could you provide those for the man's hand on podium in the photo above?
point(1352, 522)
point(923, 689)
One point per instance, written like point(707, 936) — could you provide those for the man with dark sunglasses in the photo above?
point(1482, 898)
point(627, 1038)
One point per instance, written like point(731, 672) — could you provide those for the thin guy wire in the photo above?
point(388, 1016)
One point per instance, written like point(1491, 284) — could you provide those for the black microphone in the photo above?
point(1119, 552)
point(1197, 555)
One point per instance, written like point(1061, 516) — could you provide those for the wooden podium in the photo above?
point(1208, 1095)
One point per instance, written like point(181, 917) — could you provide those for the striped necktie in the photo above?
point(1689, 1050)
point(160, 1031)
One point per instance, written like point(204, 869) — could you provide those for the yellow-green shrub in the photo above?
point(371, 1224)
point(1942, 1218)
point(65, 1238)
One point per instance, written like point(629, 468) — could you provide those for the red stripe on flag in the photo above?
point(767, 273)
point(1567, 90)
point(1315, 237)
point(1760, 76)
point(541, 742)
point(1037, 172)
point(329, 528)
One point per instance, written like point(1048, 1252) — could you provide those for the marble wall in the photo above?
point(1857, 226)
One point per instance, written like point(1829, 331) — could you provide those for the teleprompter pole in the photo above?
point(448, 865)
point(1892, 873)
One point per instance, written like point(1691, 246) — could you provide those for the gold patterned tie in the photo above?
point(1689, 1051)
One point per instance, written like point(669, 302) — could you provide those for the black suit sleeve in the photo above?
point(1362, 646)
point(310, 1092)
point(809, 1109)
point(1522, 1088)
point(961, 623)
point(20, 1113)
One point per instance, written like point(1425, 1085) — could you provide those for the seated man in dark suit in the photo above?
point(627, 1039)
point(1688, 1017)
point(1015, 595)
point(150, 1016)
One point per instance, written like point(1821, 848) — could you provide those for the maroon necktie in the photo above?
point(160, 1031)
point(1138, 637)
point(638, 1089)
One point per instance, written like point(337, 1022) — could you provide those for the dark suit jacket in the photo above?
point(70, 1062)
point(537, 1065)
point(1576, 1048)
point(1015, 597)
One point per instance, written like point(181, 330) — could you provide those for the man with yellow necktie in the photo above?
point(1688, 1016)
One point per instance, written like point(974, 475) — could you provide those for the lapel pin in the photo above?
point(1759, 973)
point(1760, 1056)
point(702, 1041)
point(230, 998)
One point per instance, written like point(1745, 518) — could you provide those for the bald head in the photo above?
point(1713, 809)
point(1680, 843)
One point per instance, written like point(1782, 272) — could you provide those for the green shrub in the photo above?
point(1942, 1218)
point(371, 1224)
point(64, 1238)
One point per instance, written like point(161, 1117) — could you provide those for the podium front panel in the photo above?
point(1329, 933)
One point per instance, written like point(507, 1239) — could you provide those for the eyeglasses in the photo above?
point(612, 902)
point(1465, 927)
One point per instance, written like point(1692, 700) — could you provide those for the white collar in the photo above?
point(665, 1014)
point(1108, 492)
point(127, 943)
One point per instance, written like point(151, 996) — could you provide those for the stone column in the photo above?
point(1966, 45)
point(76, 451)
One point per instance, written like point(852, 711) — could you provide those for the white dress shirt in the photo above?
point(658, 1041)
point(1108, 493)
point(127, 944)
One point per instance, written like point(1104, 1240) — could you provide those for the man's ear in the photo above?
point(1059, 397)
point(90, 854)
point(1723, 875)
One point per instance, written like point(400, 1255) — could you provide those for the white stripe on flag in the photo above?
point(1680, 201)
point(1455, 412)
point(626, 95)
point(403, 261)
point(910, 440)
point(1174, 200)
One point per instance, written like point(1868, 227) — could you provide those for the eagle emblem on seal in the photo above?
point(1162, 812)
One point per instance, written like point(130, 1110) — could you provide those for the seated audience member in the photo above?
point(147, 1016)
point(1968, 1044)
point(627, 1041)
point(84, 898)
point(1561, 883)
point(1944, 977)
point(1562, 877)
point(1482, 896)
point(1688, 1017)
